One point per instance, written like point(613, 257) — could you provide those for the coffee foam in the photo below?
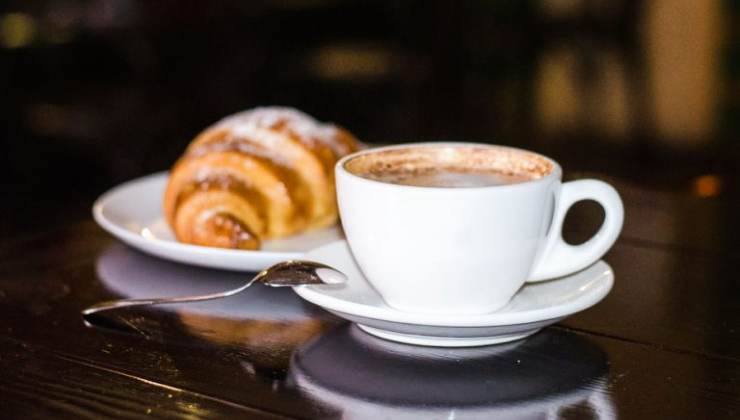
point(395, 165)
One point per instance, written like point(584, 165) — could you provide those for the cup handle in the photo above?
point(558, 257)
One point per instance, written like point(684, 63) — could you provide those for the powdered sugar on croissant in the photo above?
point(259, 174)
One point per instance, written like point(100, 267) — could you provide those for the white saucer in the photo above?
point(535, 306)
point(133, 213)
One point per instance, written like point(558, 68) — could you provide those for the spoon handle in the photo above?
point(124, 303)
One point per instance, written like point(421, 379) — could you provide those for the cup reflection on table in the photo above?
point(545, 376)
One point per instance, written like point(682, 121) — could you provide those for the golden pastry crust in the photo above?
point(260, 174)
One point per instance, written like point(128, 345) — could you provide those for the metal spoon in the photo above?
point(288, 273)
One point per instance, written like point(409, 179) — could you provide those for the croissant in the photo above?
point(256, 175)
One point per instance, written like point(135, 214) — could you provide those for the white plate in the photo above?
point(535, 306)
point(133, 213)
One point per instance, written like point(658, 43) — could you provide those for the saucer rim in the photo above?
point(497, 318)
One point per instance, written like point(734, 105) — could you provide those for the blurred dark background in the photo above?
point(97, 92)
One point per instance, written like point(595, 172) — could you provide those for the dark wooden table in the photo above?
point(664, 344)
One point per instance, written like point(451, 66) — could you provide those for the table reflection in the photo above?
point(130, 274)
point(544, 376)
point(265, 324)
point(350, 372)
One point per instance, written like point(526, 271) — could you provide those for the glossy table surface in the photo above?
point(663, 344)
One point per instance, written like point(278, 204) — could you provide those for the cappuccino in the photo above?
point(450, 167)
point(448, 177)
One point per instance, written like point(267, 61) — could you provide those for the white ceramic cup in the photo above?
point(467, 250)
